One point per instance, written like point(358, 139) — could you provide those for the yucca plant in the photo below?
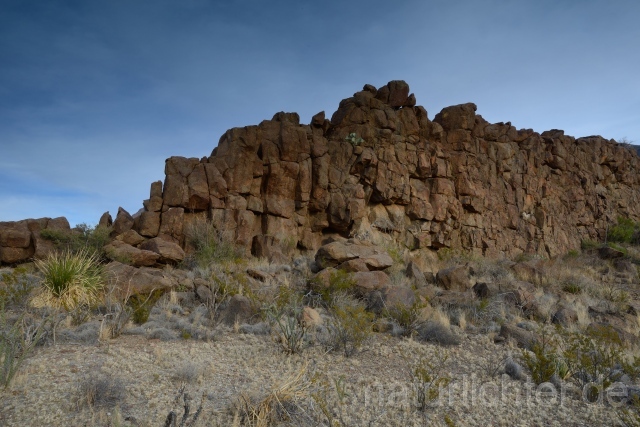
point(70, 280)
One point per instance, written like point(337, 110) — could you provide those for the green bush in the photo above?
point(141, 305)
point(625, 231)
point(285, 314)
point(542, 360)
point(407, 317)
point(349, 327)
point(209, 245)
point(593, 359)
point(571, 288)
point(82, 238)
point(354, 139)
point(70, 280)
point(428, 378)
point(340, 283)
point(15, 286)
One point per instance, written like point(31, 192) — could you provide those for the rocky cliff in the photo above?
point(380, 168)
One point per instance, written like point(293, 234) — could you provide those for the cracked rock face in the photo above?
point(381, 168)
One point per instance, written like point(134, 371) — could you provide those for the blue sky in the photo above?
point(94, 95)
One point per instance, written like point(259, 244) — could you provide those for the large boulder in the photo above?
point(457, 278)
point(128, 280)
point(127, 254)
point(170, 253)
point(341, 252)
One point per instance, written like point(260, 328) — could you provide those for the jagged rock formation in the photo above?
point(457, 181)
point(381, 169)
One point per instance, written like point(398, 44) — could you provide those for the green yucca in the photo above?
point(70, 280)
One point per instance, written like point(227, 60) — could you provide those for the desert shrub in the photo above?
point(428, 377)
point(141, 305)
point(15, 286)
point(188, 419)
point(284, 314)
point(340, 282)
point(101, 391)
point(542, 360)
point(70, 280)
point(436, 332)
point(348, 328)
point(513, 369)
point(83, 237)
point(18, 338)
point(625, 231)
point(408, 317)
point(629, 414)
point(589, 244)
point(187, 373)
point(210, 245)
point(115, 319)
point(353, 139)
point(572, 288)
point(593, 360)
point(280, 403)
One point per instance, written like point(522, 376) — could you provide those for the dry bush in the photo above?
point(428, 377)
point(436, 332)
point(188, 419)
point(100, 391)
point(282, 402)
point(18, 339)
point(349, 326)
point(210, 245)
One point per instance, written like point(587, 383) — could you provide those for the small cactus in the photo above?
point(354, 139)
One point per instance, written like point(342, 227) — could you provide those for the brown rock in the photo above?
point(310, 317)
point(129, 280)
point(414, 272)
point(204, 294)
point(522, 337)
point(607, 252)
point(336, 253)
point(170, 253)
point(565, 316)
point(398, 93)
point(127, 254)
point(123, 222)
point(14, 255)
point(457, 278)
point(399, 296)
point(105, 220)
point(15, 234)
point(149, 224)
point(131, 237)
point(156, 190)
point(238, 309)
point(267, 247)
point(367, 281)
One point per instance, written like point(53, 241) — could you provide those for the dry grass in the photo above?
point(282, 402)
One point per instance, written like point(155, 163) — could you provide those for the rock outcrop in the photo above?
point(22, 240)
point(381, 166)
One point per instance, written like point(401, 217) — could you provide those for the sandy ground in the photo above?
point(372, 388)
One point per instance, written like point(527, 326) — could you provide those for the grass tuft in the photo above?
point(70, 280)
